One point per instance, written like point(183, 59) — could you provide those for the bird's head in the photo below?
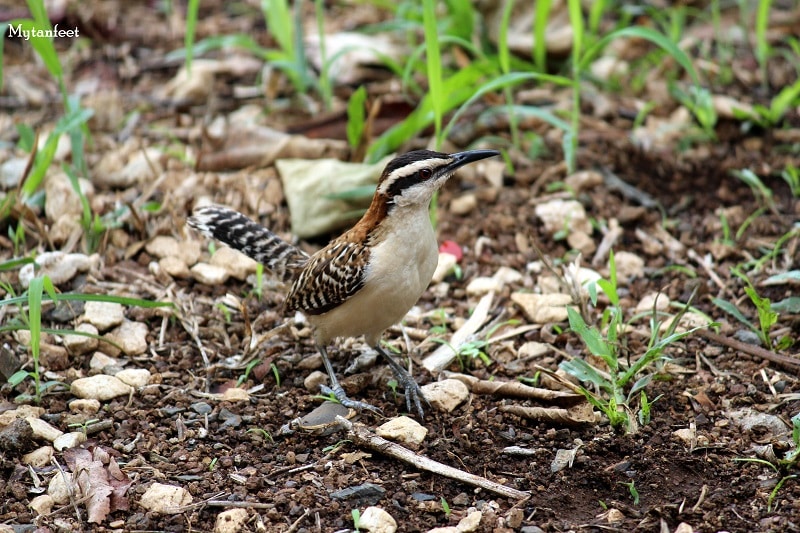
point(412, 178)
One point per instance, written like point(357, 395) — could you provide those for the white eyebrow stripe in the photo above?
point(409, 169)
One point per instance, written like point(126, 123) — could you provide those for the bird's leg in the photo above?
point(413, 391)
point(337, 390)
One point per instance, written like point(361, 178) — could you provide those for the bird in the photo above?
point(368, 278)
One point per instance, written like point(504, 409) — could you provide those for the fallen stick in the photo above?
point(362, 436)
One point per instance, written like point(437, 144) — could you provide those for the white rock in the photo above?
point(86, 407)
point(80, 344)
point(99, 387)
point(61, 199)
point(163, 246)
point(59, 488)
point(403, 429)
point(376, 520)
point(533, 349)
point(189, 251)
point(584, 180)
point(165, 499)
point(464, 204)
point(235, 263)
point(42, 504)
point(645, 305)
point(470, 523)
point(445, 265)
point(99, 361)
point(11, 172)
point(103, 315)
point(543, 308)
point(314, 380)
point(69, 440)
point(135, 377)
point(131, 337)
point(445, 395)
point(507, 275)
point(235, 394)
point(209, 274)
point(23, 411)
point(607, 67)
point(143, 165)
point(558, 215)
point(629, 265)
point(231, 521)
point(582, 242)
point(174, 266)
point(483, 285)
point(60, 267)
point(43, 430)
point(39, 457)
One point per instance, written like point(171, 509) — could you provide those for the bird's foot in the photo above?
point(414, 396)
point(338, 392)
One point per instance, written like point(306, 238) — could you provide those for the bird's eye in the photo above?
point(425, 173)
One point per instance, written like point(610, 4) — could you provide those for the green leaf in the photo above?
point(356, 117)
point(733, 310)
point(790, 305)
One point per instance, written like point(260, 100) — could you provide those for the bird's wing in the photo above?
point(331, 276)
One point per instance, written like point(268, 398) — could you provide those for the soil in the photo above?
point(178, 430)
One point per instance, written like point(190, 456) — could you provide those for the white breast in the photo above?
point(399, 271)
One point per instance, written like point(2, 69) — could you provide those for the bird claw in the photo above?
point(413, 394)
point(338, 392)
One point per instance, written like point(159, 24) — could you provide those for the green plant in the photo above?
point(356, 120)
point(249, 368)
point(446, 507)
point(356, 514)
point(474, 349)
point(762, 193)
point(767, 317)
point(632, 490)
point(84, 426)
point(618, 384)
point(698, 101)
point(263, 432)
point(791, 175)
point(772, 115)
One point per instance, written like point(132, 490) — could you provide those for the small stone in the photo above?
point(645, 305)
point(59, 488)
point(11, 172)
point(142, 165)
point(404, 430)
point(61, 199)
point(582, 242)
point(39, 457)
point(82, 344)
point(209, 274)
point(543, 308)
point(165, 499)
point(99, 361)
point(100, 387)
point(629, 265)
point(314, 380)
point(103, 315)
point(507, 275)
point(163, 246)
point(135, 377)
point(584, 180)
point(42, 504)
point(559, 215)
point(58, 266)
point(43, 430)
point(174, 266)
point(445, 395)
point(483, 285)
point(84, 407)
point(470, 523)
point(376, 520)
point(446, 264)
point(23, 411)
point(69, 440)
point(235, 394)
point(236, 264)
point(231, 521)
point(464, 204)
point(533, 349)
point(131, 337)
point(201, 408)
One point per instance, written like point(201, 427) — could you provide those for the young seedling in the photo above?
point(767, 317)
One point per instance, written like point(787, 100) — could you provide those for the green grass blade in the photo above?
point(433, 60)
point(539, 29)
point(192, 10)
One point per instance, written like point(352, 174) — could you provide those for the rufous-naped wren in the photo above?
point(368, 278)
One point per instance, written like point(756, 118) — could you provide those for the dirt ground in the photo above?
point(181, 430)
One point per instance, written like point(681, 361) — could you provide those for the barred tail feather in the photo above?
point(250, 238)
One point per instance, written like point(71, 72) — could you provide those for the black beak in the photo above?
point(464, 158)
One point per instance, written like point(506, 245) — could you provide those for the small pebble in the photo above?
point(100, 387)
